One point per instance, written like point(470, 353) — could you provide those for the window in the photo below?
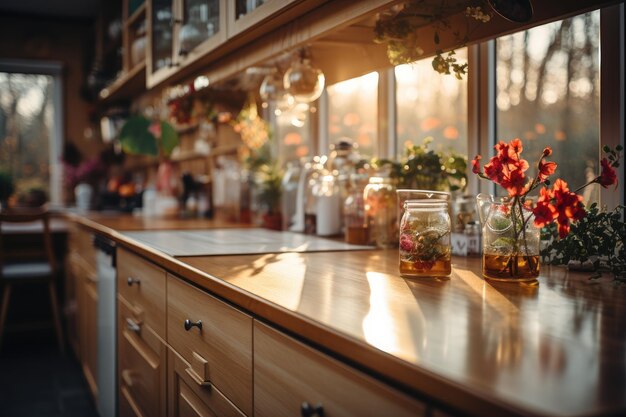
point(430, 105)
point(352, 112)
point(292, 127)
point(548, 94)
point(30, 126)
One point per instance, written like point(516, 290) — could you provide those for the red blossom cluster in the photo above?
point(558, 204)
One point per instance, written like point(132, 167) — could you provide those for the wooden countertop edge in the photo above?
point(383, 365)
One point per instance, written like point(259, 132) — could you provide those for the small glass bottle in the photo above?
point(354, 212)
point(381, 215)
point(425, 249)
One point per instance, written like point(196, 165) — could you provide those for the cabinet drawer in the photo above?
point(142, 284)
point(289, 374)
point(186, 398)
point(141, 358)
point(220, 351)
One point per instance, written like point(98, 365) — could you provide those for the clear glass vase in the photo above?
point(511, 240)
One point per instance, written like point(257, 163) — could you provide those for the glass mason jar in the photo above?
point(381, 216)
point(354, 211)
point(425, 249)
point(511, 241)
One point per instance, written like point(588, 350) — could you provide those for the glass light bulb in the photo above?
point(272, 87)
point(304, 82)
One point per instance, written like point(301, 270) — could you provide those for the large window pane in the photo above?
point(431, 105)
point(548, 95)
point(292, 131)
point(26, 121)
point(352, 112)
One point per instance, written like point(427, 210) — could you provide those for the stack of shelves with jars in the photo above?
point(181, 31)
point(132, 78)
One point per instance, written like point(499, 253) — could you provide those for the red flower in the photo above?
point(607, 175)
point(406, 243)
point(494, 170)
point(547, 151)
point(544, 212)
point(546, 169)
point(515, 183)
point(569, 206)
point(476, 164)
point(516, 145)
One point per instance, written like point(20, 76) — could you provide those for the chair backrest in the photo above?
point(29, 216)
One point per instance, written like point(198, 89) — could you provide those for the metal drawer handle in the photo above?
point(189, 324)
point(130, 281)
point(307, 411)
point(133, 326)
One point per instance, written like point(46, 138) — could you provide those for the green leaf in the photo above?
point(135, 137)
point(169, 138)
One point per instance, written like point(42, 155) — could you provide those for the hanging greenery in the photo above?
point(397, 28)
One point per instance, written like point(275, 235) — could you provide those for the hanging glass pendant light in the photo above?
point(303, 81)
point(272, 87)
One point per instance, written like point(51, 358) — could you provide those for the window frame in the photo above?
point(55, 150)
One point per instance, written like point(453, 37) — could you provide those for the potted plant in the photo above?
point(511, 224)
point(141, 136)
point(268, 179)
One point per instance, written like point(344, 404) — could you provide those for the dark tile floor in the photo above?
point(36, 380)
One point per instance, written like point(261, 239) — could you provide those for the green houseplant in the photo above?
point(141, 136)
point(6, 188)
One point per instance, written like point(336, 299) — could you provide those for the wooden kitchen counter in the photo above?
point(555, 347)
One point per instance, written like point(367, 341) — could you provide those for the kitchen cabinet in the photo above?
point(291, 379)
point(189, 398)
point(141, 365)
point(82, 320)
point(214, 338)
point(179, 32)
point(244, 14)
point(141, 336)
point(131, 79)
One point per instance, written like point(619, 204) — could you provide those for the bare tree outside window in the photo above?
point(548, 94)
point(26, 122)
point(431, 105)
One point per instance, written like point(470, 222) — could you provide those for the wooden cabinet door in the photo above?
point(219, 347)
point(292, 379)
point(142, 284)
point(141, 366)
point(189, 398)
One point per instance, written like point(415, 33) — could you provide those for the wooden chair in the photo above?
point(44, 270)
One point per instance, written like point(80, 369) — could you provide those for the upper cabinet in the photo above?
point(244, 14)
point(180, 32)
point(131, 79)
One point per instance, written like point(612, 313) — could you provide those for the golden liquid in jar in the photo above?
point(442, 267)
point(357, 235)
point(510, 267)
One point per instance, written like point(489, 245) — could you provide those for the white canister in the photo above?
point(83, 193)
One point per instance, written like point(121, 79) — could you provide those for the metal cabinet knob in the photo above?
point(130, 281)
point(133, 326)
point(189, 324)
point(306, 410)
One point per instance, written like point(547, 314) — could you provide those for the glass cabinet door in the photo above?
point(243, 7)
point(200, 21)
point(162, 34)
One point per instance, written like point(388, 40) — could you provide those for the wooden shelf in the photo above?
point(126, 86)
point(138, 14)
